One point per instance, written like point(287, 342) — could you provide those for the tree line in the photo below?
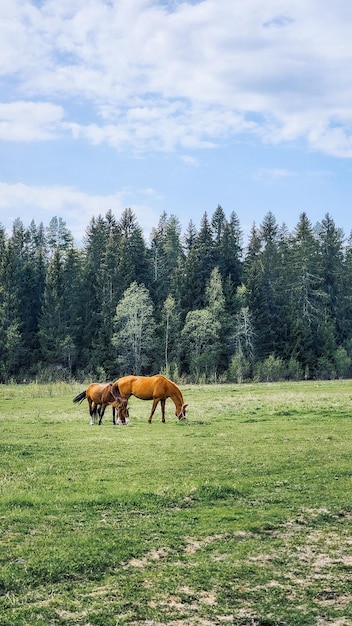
point(197, 306)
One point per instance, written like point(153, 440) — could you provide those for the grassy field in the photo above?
point(240, 515)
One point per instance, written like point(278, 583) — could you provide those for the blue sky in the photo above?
point(175, 106)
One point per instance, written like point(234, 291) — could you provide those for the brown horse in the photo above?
point(156, 388)
point(99, 396)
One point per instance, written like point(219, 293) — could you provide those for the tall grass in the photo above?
point(240, 515)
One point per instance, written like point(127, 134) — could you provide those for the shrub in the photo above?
point(342, 363)
point(270, 370)
point(240, 369)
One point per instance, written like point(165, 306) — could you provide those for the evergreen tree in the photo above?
point(12, 311)
point(168, 257)
point(199, 264)
point(311, 332)
point(96, 239)
point(230, 252)
point(190, 286)
point(347, 290)
point(110, 292)
point(52, 327)
point(72, 309)
point(205, 250)
point(190, 237)
point(157, 239)
point(58, 235)
point(34, 273)
point(134, 262)
point(59, 328)
point(218, 224)
point(267, 295)
point(331, 239)
point(286, 303)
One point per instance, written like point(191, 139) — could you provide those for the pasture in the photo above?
point(241, 514)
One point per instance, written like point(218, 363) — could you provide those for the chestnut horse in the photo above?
point(99, 396)
point(156, 388)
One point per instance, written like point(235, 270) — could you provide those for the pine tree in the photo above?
point(168, 258)
point(311, 331)
point(331, 239)
point(73, 310)
point(230, 252)
point(190, 285)
point(12, 312)
point(266, 290)
point(134, 261)
point(52, 327)
point(218, 224)
point(346, 306)
point(96, 239)
point(110, 292)
point(34, 273)
point(198, 266)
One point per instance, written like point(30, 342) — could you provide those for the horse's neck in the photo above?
point(177, 397)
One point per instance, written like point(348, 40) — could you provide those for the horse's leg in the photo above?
point(113, 415)
point(101, 411)
point(91, 413)
point(162, 402)
point(155, 403)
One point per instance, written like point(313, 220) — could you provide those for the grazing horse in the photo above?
point(156, 388)
point(99, 396)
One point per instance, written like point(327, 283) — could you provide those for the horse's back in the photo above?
point(96, 390)
point(144, 387)
point(123, 385)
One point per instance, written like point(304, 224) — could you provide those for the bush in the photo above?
point(271, 370)
point(342, 363)
point(325, 369)
point(240, 369)
point(294, 370)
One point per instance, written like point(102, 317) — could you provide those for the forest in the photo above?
point(198, 306)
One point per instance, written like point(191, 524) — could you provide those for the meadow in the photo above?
point(242, 514)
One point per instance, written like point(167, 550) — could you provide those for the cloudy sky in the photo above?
point(176, 106)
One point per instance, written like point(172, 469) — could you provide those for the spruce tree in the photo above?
point(135, 263)
point(13, 311)
point(331, 240)
point(311, 335)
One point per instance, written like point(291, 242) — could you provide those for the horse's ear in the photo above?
point(185, 406)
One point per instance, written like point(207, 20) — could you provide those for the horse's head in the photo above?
point(120, 404)
point(182, 414)
point(122, 410)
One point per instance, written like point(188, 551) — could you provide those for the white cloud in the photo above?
point(190, 160)
point(149, 75)
point(76, 208)
point(28, 121)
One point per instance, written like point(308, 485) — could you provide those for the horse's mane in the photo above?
point(172, 383)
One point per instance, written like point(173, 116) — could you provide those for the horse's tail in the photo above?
point(81, 396)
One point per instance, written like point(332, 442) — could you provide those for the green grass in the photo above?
point(240, 515)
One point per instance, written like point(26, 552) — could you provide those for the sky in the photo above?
point(175, 106)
